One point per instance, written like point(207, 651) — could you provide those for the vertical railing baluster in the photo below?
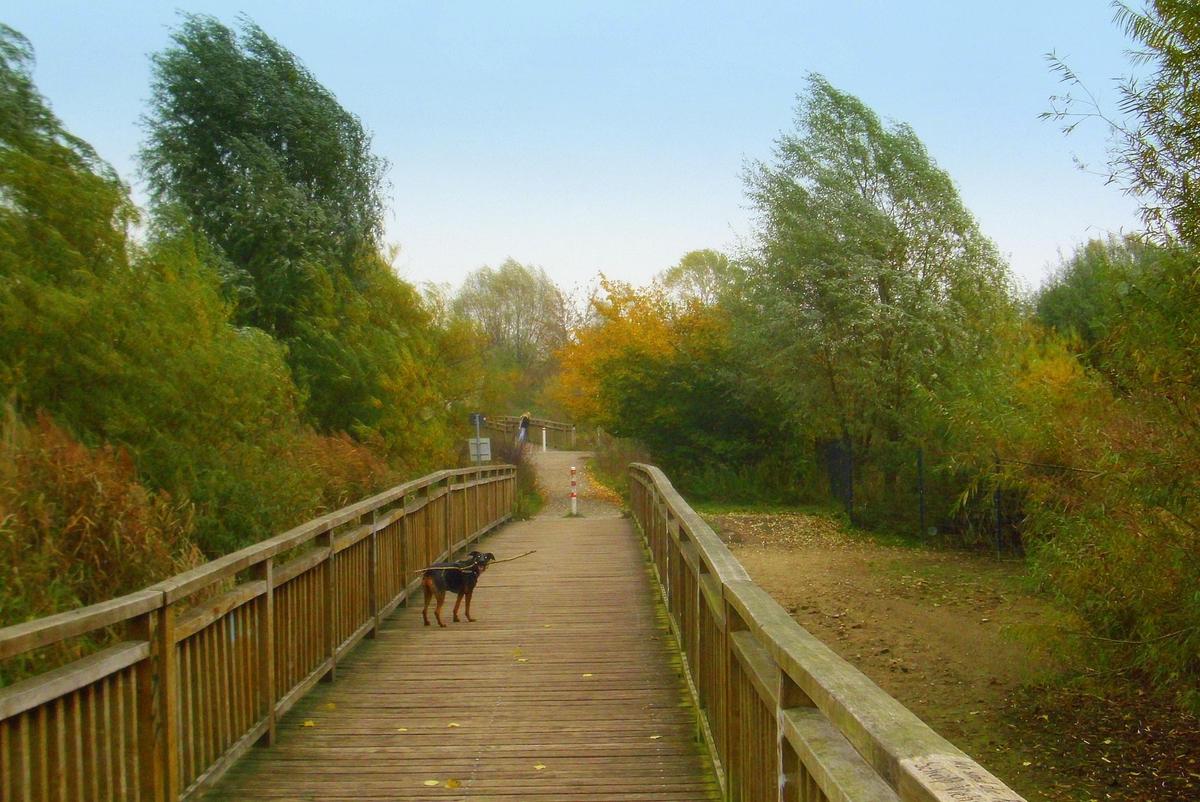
point(372, 574)
point(265, 571)
point(328, 540)
point(166, 731)
point(150, 760)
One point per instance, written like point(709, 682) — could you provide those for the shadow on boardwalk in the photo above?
point(566, 687)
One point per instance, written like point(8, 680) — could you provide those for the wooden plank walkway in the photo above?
point(567, 686)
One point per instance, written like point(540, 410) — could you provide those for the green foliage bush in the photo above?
point(152, 423)
point(76, 527)
point(529, 497)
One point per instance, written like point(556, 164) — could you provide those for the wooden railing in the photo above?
point(558, 435)
point(785, 718)
point(213, 657)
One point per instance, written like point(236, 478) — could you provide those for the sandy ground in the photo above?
point(940, 631)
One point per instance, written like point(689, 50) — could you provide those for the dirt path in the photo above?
point(554, 477)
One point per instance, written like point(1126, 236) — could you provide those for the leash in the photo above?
point(510, 559)
point(472, 566)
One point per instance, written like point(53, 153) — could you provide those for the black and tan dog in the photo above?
point(459, 577)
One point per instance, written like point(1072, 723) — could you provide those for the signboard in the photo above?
point(476, 419)
point(481, 449)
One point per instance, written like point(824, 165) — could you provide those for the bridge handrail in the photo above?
point(559, 434)
point(212, 657)
point(512, 421)
point(784, 716)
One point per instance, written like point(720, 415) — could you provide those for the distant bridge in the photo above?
point(603, 666)
point(554, 434)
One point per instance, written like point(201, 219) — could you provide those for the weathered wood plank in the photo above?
point(21, 638)
point(569, 665)
point(199, 617)
point(30, 693)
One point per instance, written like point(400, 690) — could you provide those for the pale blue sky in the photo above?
point(588, 137)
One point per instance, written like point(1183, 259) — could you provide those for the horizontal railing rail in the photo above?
point(211, 658)
point(557, 435)
point(785, 718)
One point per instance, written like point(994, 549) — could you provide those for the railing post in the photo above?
point(328, 540)
point(373, 573)
point(265, 571)
point(163, 715)
point(790, 695)
point(476, 517)
point(447, 537)
point(151, 763)
point(731, 760)
point(405, 567)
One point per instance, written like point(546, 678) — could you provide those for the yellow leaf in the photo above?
point(309, 723)
point(587, 675)
point(330, 706)
point(431, 783)
point(655, 737)
point(522, 660)
point(539, 766)
point(452, 724)
point(452, 783)
point(402, 729)
point(1026, 763)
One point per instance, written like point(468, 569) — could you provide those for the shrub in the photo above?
point(76, 528)
point(528, 498)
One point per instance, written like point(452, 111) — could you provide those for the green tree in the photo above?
point(1083, 299)
point(1155, 150)
point(246, 148)
point(870, 282)
point(704, 276)
point(519, 308)
point(525, 318)
point(64, 212)
point(268, 166)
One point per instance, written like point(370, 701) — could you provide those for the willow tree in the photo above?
point(525, 318)
point(870, 282)
point(247, 148)
point(266, 163)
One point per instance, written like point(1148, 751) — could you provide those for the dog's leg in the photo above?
point(469, 594)
point(437, 611)
point(457, 602)
point(427, 586)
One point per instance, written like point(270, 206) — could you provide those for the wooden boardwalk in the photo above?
point(567, 686)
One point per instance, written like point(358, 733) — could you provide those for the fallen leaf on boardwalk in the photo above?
point(452, 783)
point(655, 737)
point(431, 783)
point(539, 766)
point(402, 729)
point(309, 723)
point(545, 626)
point(452, 724)
point(330, 706)
point(587, 675)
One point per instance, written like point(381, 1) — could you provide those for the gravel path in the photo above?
point(554, 476)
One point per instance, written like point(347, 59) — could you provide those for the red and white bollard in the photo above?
point(574, 496)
